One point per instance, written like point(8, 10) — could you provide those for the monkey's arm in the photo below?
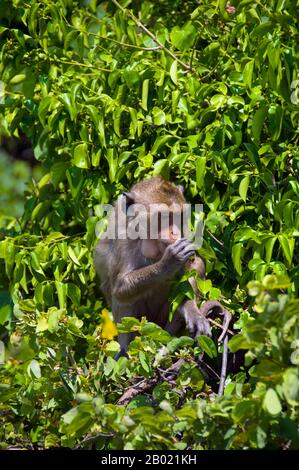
point(188, 311)
point(130, 285)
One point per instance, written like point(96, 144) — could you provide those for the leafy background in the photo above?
point(207, 98)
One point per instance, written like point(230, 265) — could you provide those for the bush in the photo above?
point(209, 99)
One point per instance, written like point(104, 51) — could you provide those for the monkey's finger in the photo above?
point(186, 254)
point(184, 243)
point(177, 246)
point(179, 242)
point(190, 246)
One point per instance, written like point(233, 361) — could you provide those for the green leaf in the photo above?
point(145, 88)
point(222, 7)
point(275, 114)
point(81, 158)
point(276, 282)
point(42, 323)
point(75, 180)
point(245, 410)
point(243, 187)
point(267, 370)
point(248, 72)
point(258, 122)
point(132, 78)
point(74, 293)
point(160, 142)
point(161, 167)
point(32, 21)
point(183, 38)
point(218, 101)
point(53, 320)
point(200, 165)
point(269, 245)
point(128, 324)
point(144, 361)
point(58, 172)
point(17, 79)
point(180, 342)
point(151, 330)
point(73, 256)
point(112, 348)
point(290, 386)
point(5, 307)
point(236, 257)
point(34, 369)
point(238, 342)
point(272, 403)
point(246, 233)
point(70, 105)
point(159, 116)
point(77, 419)
point(204, 285)
point(134, 122)
point(207, 345)
point(287, 247)
point(74, 326)
point(61, 291)
point(173, 72)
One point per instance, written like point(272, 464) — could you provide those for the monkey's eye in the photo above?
point(164, 219)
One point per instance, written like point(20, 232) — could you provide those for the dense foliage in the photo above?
point(108, 93)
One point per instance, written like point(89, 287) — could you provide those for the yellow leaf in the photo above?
point(109, 329)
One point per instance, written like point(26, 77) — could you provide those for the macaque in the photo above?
point(136, 271)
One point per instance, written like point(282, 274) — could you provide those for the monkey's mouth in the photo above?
point(164, 242)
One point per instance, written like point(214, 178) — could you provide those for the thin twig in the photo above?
point(215, 307)
point(143, 386)
point(151, 35)
point(223, 366)
point(211, 369)
point(93, 438)
point(122, 44)
point(193, 50)
point(220, 326)
point(214, 238)
point(79, 64)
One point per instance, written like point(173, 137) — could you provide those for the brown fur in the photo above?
point(135, 285)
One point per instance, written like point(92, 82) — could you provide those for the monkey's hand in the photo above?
point(176, 255)
point(196, 323)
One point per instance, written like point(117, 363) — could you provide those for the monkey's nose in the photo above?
point(175, 233)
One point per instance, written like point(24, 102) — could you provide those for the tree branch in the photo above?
point(145, 385)
point(151, 35)
point(223, 366)
point(215, 307)
point(90, 438)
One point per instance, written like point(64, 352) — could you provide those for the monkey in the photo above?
point(136, 274)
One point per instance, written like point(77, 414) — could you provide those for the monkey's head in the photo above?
point(155, 206)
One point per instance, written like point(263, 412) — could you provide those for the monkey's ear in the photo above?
point(129, 199)
point(181, 188)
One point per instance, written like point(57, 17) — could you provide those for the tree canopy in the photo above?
point(205, 94)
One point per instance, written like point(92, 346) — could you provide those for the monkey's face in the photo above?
point(167, 231)
point(154, 211)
